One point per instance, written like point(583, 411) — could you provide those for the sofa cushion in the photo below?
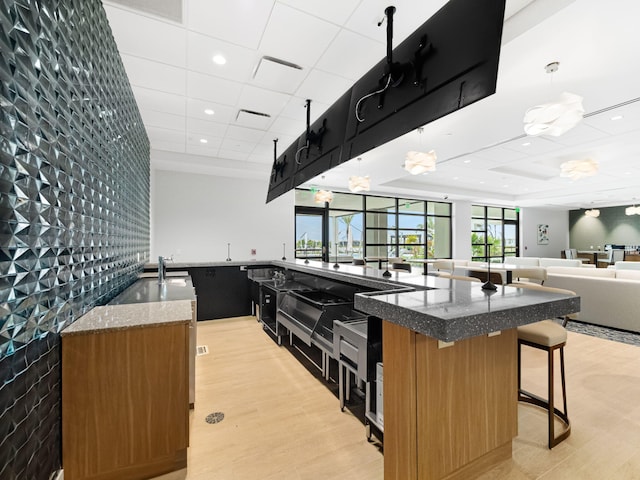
point(627, 265)
point(583, 272)
point(628, 274)
point(523, 261)
point(560, 262)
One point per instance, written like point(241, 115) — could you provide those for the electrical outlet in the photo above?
point(253, 251)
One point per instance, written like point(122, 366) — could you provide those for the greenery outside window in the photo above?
point(494, 233)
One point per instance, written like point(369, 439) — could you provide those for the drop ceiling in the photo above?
point(279, 53)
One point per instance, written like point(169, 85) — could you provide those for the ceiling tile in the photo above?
point(241, 22)
point(334, 11)
point(233, 155)
point(288, 126)
point(204, 150)
point(151, 39)
point(221, 113)
point(163, 120)
point(148, 99)
point(154, 75)
point(165, 135)
point(251, 135)
point(240, 60)
point(295, 36)
point(263, 101)
point(253, 119)
point(206, 87)
point(168, 146)
point(323, 87)
point(274, 75)
point(198, 126)
point(237, 145)
point(351, 55)
point(204, 142)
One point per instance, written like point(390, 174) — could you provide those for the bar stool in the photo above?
point(549, 336)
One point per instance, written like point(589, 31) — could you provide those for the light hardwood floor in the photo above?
point(282, 422)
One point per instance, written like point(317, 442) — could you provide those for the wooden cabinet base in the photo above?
point(125, 401)
point(449, 413)
point(158, 466)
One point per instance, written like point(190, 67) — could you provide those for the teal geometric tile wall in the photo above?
point(74, 199)
point(74, 178)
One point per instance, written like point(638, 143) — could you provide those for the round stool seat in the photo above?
point(546, 333)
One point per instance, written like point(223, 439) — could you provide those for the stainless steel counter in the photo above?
point(147, 290)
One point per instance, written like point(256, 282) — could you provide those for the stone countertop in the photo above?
point(136, 315)
point(465, 310)
point(146, 290)
point(448, 310)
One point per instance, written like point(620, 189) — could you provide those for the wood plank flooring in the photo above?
point(282, 422)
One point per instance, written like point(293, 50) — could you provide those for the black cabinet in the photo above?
point(222, 291)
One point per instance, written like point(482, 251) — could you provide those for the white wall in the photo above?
point(194, 216)
point(558, 221)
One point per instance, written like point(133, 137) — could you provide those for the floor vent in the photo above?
point(215, 417)
point(202, 350)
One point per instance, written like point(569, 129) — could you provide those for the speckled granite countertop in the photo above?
point(444, 309)
point(136, 315)
point(465, 310)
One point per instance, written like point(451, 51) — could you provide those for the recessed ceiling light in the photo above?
point(208, 111)
point(505, 186)
point(481, 182)
point(203, 140)
point(526, 144)
point(219, 60)
point(456, 178)
point(627, 173)
point(467, 161)
point(617, 117)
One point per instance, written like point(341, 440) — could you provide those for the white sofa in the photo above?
point(543, 262)
point(608, 296)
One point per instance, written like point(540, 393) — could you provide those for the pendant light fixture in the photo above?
point(323, 196)
point(634, 210)
point(554, 118)
point(358, 183)
point(420, 162)
point(577, 169)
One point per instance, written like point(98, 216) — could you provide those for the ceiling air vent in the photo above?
point(279, 75)
point(170, 9)
point(252, 119)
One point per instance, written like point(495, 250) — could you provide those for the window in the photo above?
point(494, 233)
point(369, 226)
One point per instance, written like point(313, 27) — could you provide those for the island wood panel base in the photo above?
point(125, 402)
point(449, 413)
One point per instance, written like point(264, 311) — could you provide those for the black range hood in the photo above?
point(451, 61)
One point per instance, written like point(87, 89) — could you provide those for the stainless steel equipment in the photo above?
point(309, 315)
point(350, 350)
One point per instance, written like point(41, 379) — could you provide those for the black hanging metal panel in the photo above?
point(451, 61)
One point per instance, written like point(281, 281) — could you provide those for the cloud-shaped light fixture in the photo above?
point(577, 169)
point(594, 212)
point(323, 196)
point(554, 118)
point(420, 162)
point(359, 184)
point(632, 210)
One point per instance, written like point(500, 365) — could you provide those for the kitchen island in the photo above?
point(450, 369)
point(450, 365)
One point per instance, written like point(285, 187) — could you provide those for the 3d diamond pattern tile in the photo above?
point(74, 205)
